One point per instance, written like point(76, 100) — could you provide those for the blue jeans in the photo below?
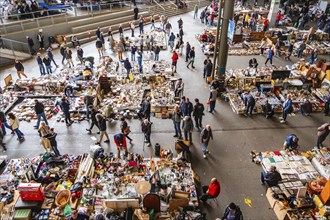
point(212, 106)
point(43, 116)
point(152, 26)
point(133, 57)
point(128, 71)
point(49, 69)
point(156, 57)
point(4, 126)
point(177, 129)
point(55, 149)
point(204, 147)
point(42, 69)
point(18, 133)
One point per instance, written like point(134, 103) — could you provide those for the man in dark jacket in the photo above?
point(322, 133)
point(272, 177)
point(267, 110)
point(39, 109)
point(47, 61)
point(306, 107)
point(180, 23)
point(51, 55)
point(249, 103)
point(98, 32)
point(146, 129)
point(141, 25)
point(136, 12)
point(127, 66)
point(208, 69)
point(187, 108)
point(157, 51)
point(145, 109)
point(133, 52)
point(191, 58)
point(198, 113)
point(206, 135)
point(93, 112)
point(40, 64)
point(31, 44)
point(65, 106)
point(232, 212)
point(103, 128)
point(88, 101)
point(188, 49)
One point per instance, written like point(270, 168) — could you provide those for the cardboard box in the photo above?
point(175, 203)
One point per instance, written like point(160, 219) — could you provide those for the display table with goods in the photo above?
point(149, 67)
point(300, 193)
point(159, 39)
point(49, 187)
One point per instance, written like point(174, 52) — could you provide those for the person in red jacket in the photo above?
point(266, 23)
point(211, 191)
point(120, 141)
point(175, 58)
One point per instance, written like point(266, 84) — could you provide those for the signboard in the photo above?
point(231, 31)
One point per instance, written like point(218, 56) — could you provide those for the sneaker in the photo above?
point(208, 152)
point(107, 141)
point(88, 130)
point(204, 156)
point(282, 121)
point(176, 136)
point(245, 115)
point(98, 132)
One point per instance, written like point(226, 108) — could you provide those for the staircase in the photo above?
point(13, 50)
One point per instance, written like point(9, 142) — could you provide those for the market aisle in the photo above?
point(234, 135)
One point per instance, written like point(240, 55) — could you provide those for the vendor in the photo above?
point(267, 110)
point(306, 107)
point(211, 191)
point(291, 142)
point(75, 215)
point(253, 63)
point(272, 177)
point(120, 141)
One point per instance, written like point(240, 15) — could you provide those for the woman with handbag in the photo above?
point(125, 129)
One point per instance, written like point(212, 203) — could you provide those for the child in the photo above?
point(53, 142)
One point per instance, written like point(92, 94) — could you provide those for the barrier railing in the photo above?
point(15, 47)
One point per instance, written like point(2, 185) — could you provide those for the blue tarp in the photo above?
point(53, 7)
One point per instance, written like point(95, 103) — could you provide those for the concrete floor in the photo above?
point(234, 135)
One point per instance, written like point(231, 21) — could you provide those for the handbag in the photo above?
point(208, 102)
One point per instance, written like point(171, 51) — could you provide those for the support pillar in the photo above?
point(274, 8)
point(223, 51)
point(217, 39)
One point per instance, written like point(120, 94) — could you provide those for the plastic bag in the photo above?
point(67, 210)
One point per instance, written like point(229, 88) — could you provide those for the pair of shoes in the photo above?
point(107, 141)
point(282, 121)
point(204, 156)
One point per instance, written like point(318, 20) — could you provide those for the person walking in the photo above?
point(40, 38)
point(188, 49)
point(270, 55)
point(322, 133)
point(287, 108)
point(180, 23)
point(68, 56)
point(208, 69)
point(145, 109)
point(249, 103)
point(53, 143)
point(120, 49)
point(128, 67)
point(146, 129)
point(168, 28)
point(51, 55)
point(156, 51)
point(191, 58)
point(136, 12)
point(62, 52)
point(39, 109)
point(103, 129)
point(213, 98)
point(205, 136)
point(44, 131)
point(14, 124)
point(196, 11)
point(80, 54)
point(132, 26)
point(133, 51)
point(152, 19)
point(186, 108)
point(47, 61)
point(171, 40)
point(65, 107)
point(141, 25)
point(181, 33)
point(175, 58)
point(88, 101)
point(20, 69)
point(120, 30)
point(313, 56)
point(278, 47)
point(301, 49)
point(139, 59)
point(232, 212)
point(290, 50)
point(125, 129)
point(31, 44)
point(4, 123)
point(198, 112)
point(40, 64)
point(176, 117)
point(99, 47)
point(93, 112)
point(262, 46)
point(103, 41)
point(187, 126)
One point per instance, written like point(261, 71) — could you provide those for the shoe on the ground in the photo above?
point(131, 141)
point(282, 121)
point(98, 143)
point(245, 115)
point(208, 152)
point(88, 130)
point(106, 141)
point(98, 132)
point(180, 137)
point(204, 156)
point(176, 136)
point(281, 118)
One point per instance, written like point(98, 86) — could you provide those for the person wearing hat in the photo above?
point(39, 109)
point(211, 191)
point(146, 129)
point(291, 142)
point(232, 212)
point(206, 135)
point(272, 177)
